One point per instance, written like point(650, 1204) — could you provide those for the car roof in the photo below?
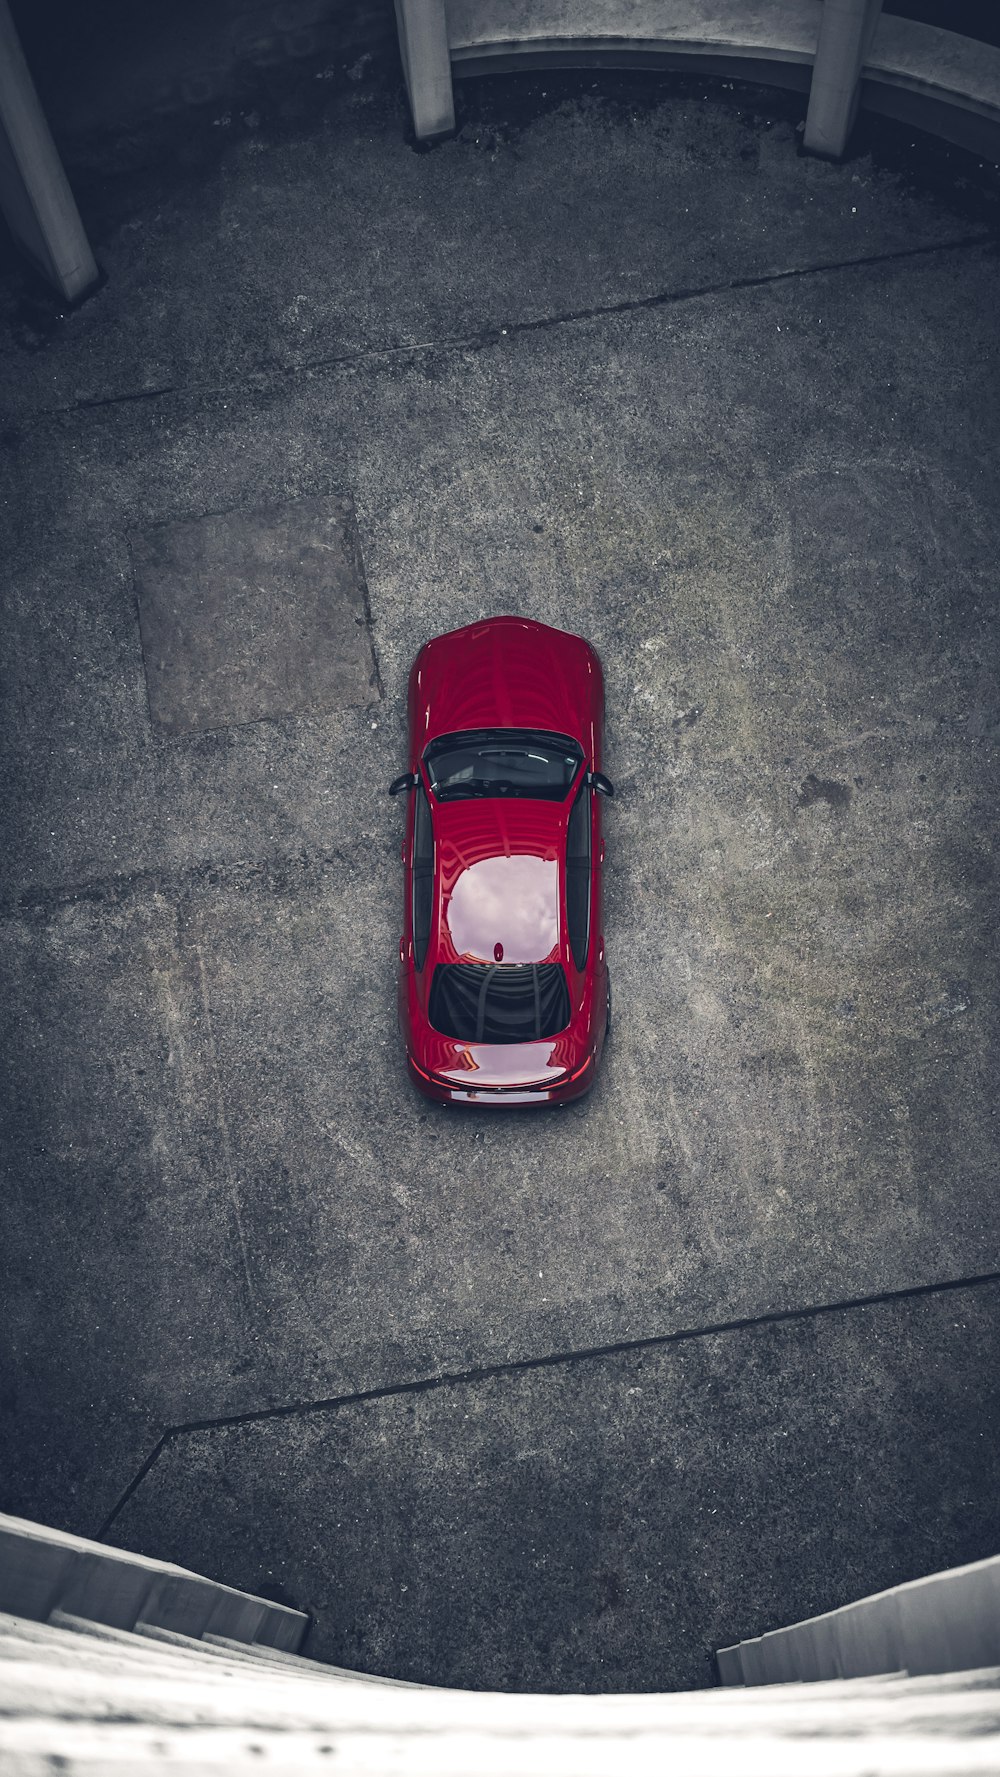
point(498, 865)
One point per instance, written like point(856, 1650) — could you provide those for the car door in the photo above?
point(421, 877)
point(584, 898)
point(418, 857)
point(579, 856)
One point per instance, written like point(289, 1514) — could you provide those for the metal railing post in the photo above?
point(423, 46)
point(845, 34)
point(34, 191)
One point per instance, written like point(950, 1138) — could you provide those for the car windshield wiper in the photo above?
point(475, 786)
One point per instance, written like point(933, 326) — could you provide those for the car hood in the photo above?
point(506, 672)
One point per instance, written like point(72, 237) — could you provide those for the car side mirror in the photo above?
point(600, 783)
point(408, 780)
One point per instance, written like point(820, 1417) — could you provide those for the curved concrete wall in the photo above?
point(93, 1702)
point(937, 80)
point(948, 1622)
point(481, 31)
point(918, 73)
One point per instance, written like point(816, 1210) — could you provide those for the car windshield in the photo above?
point(502, 762)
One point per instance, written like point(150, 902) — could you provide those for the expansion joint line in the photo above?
point(550, 1361)
point(493, 335)
point(481, 339)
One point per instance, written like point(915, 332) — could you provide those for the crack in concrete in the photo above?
point(550, 1360)
point(87, 401)
point(273, 873)
point(488, 336)
point(483, 338)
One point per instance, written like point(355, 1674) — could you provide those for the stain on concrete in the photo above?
point(687, 720)
point(823, 789)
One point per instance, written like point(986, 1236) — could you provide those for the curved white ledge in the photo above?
point(784, 30)
point(935, 78)
point(936, 64)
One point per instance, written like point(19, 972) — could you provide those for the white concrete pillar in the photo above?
point(34, 191)
point(423, 46)
point(845, 34)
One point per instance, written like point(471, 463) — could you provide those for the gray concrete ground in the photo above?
point(623, 361)
point(611, 1519)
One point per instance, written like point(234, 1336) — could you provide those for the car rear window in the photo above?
point(499, 1002)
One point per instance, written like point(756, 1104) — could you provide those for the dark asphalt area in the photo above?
point(619, 358)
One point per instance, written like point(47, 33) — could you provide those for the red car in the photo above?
point(504, 997)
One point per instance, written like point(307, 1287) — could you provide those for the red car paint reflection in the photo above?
point(504, 996)
point(510, 902)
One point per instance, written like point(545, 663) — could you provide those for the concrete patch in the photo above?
point(251, 614)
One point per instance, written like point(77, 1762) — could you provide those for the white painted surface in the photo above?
point(127, 1705)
